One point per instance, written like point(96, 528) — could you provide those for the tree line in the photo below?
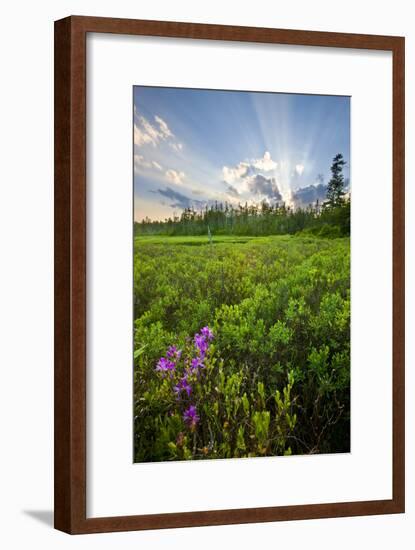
point(329, 218)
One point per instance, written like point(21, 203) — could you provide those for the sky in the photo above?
point(194, 147)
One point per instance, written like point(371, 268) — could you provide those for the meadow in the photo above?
point(241, 346)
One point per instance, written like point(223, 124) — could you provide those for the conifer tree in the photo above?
point(335, 187)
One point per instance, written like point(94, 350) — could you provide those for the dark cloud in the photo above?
point(309, 195)
point(260, 185)
point(232, 190)
point(179, 200)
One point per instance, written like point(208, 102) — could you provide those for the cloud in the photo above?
point(231, 175)
point(309, 195)
point(149, 133)
point(141, 164)
point(270, 179)
point(246, 177)
point(140, 161)
point(347, 184)
point(157, 172)
point(177, 146)
point(175, 177)
point(179, 200)
point(153, 133)
point(265, 163)
point(299, 169)
point(266, 187)
point(164, 129)
point(232, 191)
point(145, 133)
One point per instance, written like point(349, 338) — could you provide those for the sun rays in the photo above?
point(206, 146)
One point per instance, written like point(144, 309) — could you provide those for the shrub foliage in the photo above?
point(242, 345)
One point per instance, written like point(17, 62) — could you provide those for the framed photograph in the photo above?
point(229, 274)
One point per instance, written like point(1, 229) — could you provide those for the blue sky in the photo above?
point(193, 147)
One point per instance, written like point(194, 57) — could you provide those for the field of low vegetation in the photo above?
point(270, 374)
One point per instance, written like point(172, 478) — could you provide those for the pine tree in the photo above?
point(335, 187)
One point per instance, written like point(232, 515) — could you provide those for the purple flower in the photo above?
point(207, 333)
point(201, 345)
point(196, 363)
point(183, 385)
point(174, 353)
point(191, 417)
point(164, 366)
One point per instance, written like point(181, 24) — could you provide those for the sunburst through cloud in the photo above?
point(233, 148)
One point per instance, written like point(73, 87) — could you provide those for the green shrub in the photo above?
point(276, 379)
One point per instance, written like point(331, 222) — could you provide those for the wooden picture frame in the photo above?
point(70, 274)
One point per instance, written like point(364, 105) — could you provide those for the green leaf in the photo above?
point(139, 351)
